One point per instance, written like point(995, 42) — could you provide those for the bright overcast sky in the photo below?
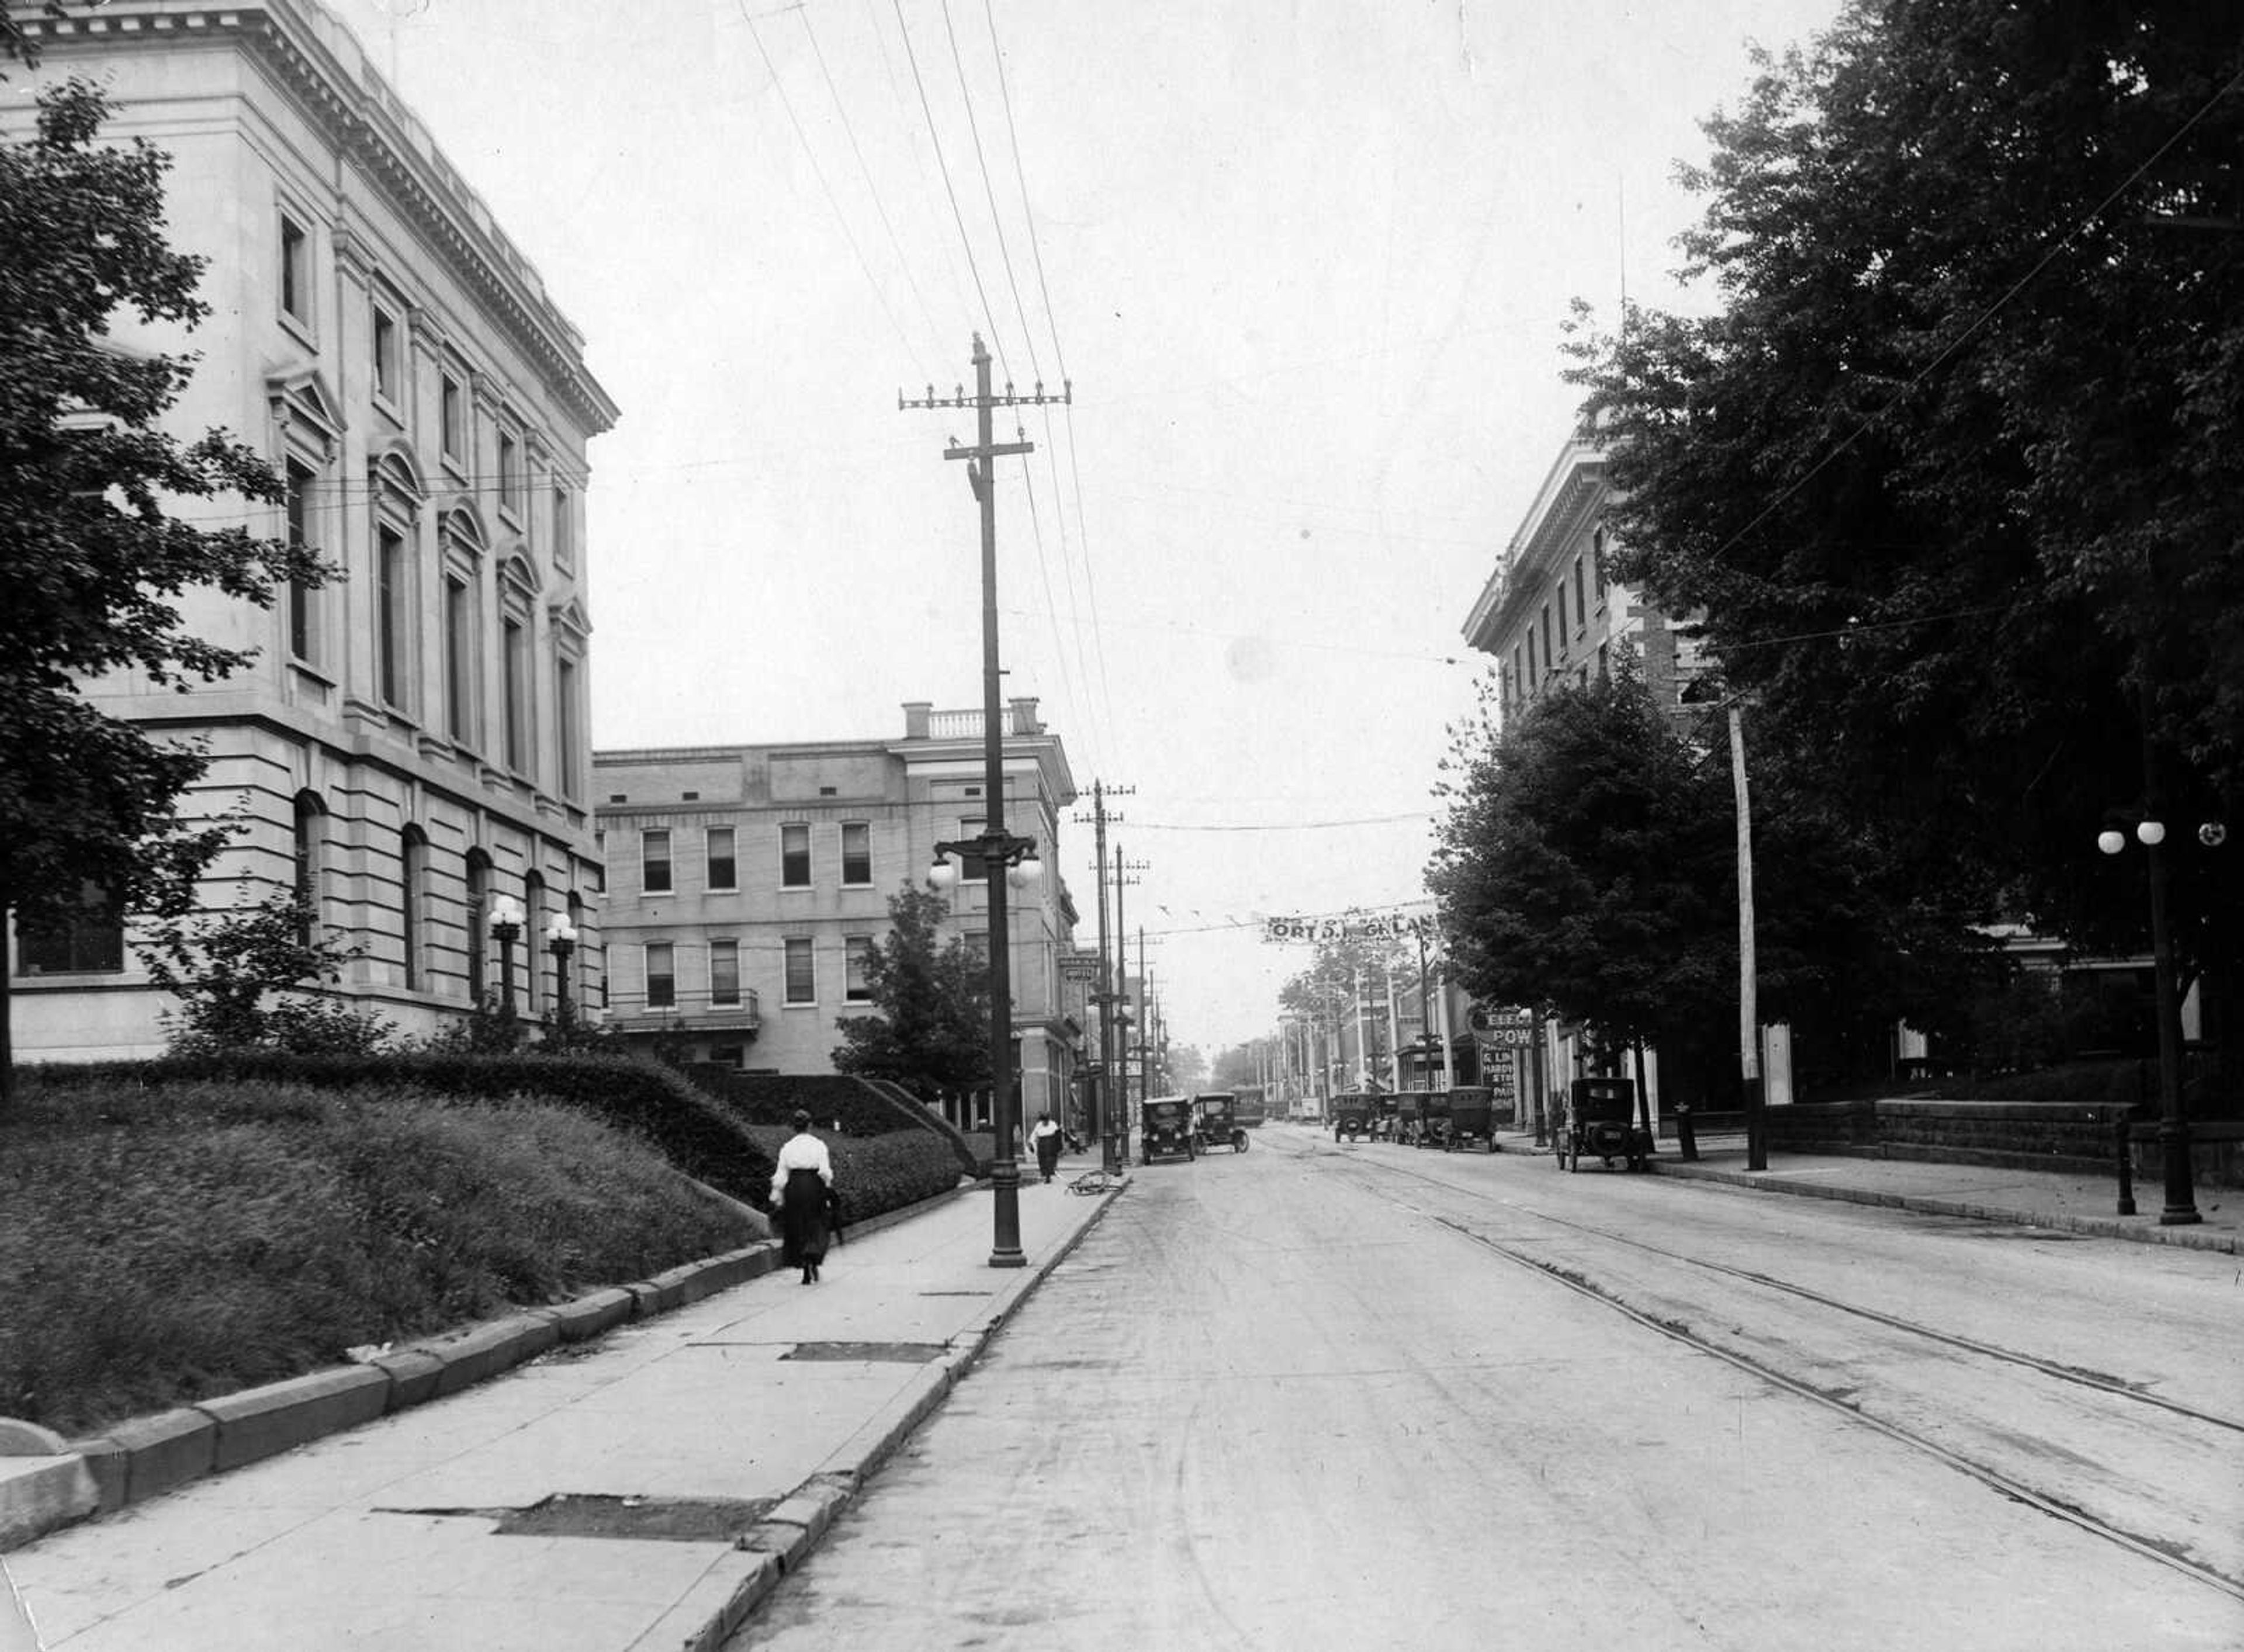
point(1305, 263)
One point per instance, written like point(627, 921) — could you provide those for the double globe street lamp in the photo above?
point(2174, 1123)
point(561, 941)
point(506, 916)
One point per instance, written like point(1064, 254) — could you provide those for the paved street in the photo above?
point(1365, 1397)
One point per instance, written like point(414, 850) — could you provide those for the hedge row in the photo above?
point(840, 1105)
point(698, 1134)
point(875, 1174)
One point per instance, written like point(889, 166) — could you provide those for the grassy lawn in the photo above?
point(164, 1245)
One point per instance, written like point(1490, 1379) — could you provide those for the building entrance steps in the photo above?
point(642, 1491)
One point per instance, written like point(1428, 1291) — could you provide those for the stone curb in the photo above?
point(143, 1456)
point(789, 1532)
point(2188, 1238)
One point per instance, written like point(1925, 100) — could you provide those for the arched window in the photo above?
point(413, 900)
point(534, 954)
point(577, 954)
point(477, 915)
point(310, 868)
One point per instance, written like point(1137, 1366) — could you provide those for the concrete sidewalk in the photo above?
point(1985, 1193)
point(639, 1492)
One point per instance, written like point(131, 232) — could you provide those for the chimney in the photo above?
point(916, 714)
point(1024, 716)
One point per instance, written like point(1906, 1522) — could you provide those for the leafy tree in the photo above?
point(931, 1026)
point(92, 564)
point(1953, 473)
point(241, 978)
point(1584, 866)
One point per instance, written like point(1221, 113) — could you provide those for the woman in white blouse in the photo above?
point(803, 1187)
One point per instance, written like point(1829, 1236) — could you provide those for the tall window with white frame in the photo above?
point(302, 641)
point(452, 418)
point(509, 474)
point(566, 725)
point(294, 274)
point(393, 603)
point(724, 866)
point(724, 974)
point(661, 976)
point(388, 355)
point(460, 660)
point(856, 854)
point(654, 861)
point(856, 977)
point(795, 856)
point(801, 984)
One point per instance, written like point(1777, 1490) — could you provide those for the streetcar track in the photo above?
point(1842, 1401)
point(2075, 1374)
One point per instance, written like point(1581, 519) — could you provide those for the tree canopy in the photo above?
point(92, 559)
point(1953, 473)
point(929, 1026)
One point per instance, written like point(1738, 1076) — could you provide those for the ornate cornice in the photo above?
point(300, 43)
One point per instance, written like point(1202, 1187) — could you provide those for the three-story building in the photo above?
point(749, 884)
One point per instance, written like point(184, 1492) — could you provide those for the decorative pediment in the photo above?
point(463, 522)
point(517, 570)
point(305, 409)
point(393, 476)
point(569, 616)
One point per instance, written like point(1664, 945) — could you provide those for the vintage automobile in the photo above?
point(1599, 1122)
point(1433, 1118)
point(1353, 1114)
point(1216, 1122)
point(1410, 1117)
point(1165, 1129)
point(1472, 1119)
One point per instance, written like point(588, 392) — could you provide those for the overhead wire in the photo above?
point(819, 171)
point(1059, 358)
point(864, 171)
point(935, 136)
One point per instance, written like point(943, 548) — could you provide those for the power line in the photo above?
point(819, 172)
point(942, 167)
point(866, 171)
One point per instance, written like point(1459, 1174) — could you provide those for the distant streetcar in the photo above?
point(1249, 1105)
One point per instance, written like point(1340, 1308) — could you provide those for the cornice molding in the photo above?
point(364, 118)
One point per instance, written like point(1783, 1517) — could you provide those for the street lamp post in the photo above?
point(505, 926)
point(1001, 852)
point(1006, 859)
point(2174, 1124)
point(561, 941)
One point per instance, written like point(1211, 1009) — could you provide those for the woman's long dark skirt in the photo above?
point(802, 1219)
point(1048, 1153)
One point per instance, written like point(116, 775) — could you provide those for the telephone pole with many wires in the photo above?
point(1106, 1109)
point(1000, 852)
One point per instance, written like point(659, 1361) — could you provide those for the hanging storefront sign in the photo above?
point(1352, 926)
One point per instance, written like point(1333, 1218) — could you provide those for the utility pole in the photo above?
point(1000, 852)
point(1103, 1117)
point(1122, 878)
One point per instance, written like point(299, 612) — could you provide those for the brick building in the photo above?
point(747, 883)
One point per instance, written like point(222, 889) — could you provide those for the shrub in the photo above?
point(839, 1104)
point(649, 1101)
point(165, 1244)
point(875, 1174)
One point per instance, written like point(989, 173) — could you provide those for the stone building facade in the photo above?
point(411, 742)
point(1552, 615)
point(747, 883)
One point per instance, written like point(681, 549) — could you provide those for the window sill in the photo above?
point(387, 407)
point(808, 1003)
point(299, 327)
point(304, 667)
